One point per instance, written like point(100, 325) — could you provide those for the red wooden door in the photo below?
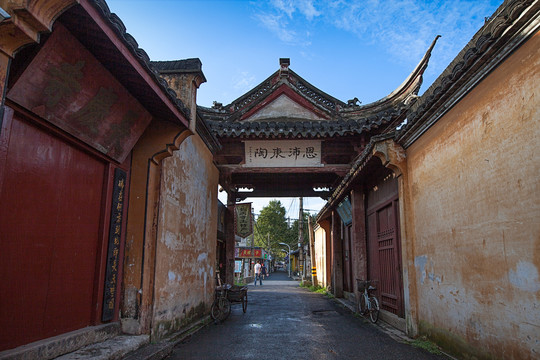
point(384, 248)
point(50, 219)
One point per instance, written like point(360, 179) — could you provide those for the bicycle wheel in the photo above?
point(374, 309)
point(215, 311)
point(244, 303)
point(362, 306)
point(225, 307)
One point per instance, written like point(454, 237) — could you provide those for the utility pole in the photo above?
point(301, 237)
point(312, 252)
point(252, 265)
point(268, 252)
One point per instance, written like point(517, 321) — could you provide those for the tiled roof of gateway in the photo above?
point(335, 118)
point(297, 129)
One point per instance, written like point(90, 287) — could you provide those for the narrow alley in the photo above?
point(125, 187)
point(285, 321)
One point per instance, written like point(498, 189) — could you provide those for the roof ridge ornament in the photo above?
point(284, 67)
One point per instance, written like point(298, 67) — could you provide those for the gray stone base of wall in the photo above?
point(394, 320)
point(349, 296)
point(160, 350)
point(62, 344)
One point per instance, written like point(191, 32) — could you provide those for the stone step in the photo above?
point(53, 347)
point(115, 348)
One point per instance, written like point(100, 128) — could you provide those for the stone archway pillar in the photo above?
point(229, 238)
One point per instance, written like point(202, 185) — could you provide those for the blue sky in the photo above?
point(346, 48)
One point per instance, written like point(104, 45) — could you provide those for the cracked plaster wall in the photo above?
point(473, 180)
point(321, 256)
point(187, 233)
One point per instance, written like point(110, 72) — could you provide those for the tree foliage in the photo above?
point(272, 228)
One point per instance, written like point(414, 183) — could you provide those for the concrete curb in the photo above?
point(391, 331)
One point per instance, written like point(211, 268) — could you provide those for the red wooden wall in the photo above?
point(50, 213)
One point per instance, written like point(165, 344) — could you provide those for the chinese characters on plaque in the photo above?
point(247, 253)
point(66, 85)
point(283, 153)
point(242, 220)
point(113, 253)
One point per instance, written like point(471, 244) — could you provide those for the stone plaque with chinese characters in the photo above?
point(67, 86)
point(283, 153)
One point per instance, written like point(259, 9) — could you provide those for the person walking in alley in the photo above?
point(258, 273)
point(263, 271)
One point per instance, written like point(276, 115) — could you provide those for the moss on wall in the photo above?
point(166, 328)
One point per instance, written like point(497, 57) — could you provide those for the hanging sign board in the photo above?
point(248, 253)
point(283, 153)
point(242, 220)
point(344, 211)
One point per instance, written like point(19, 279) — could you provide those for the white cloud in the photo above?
point(284, 6)
point(289, 7)
point(281, 19)
point(308, 9)
point(278, 25)
point(244, 81)
point(407, 27)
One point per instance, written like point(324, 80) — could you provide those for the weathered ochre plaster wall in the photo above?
point(187, 238)
point(139, 255)
point(320, 256)
point(473, 180)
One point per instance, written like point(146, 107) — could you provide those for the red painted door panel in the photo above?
point(50, 219)
point(384, 261)
point(389, 283)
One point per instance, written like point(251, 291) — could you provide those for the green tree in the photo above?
point(272, 228)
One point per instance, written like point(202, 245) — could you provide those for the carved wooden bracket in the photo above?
point(170, 148)
point(28, 19)
point(392, 155)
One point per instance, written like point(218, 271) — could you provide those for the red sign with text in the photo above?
point(246, 253)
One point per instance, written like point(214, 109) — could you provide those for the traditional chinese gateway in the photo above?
point(109, 175)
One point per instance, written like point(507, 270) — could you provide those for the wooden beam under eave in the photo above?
point(28, 20)
point(284, 193)
point(340, 170)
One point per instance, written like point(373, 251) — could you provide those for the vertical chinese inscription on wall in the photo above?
point(242, 219)
point(283, 153)
point(113, 253)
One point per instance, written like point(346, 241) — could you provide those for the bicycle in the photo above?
point(221, 307)
point(368, 304)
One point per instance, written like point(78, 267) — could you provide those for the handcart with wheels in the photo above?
point(225, 296)
point(238, 294)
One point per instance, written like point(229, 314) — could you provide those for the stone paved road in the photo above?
point(284, 321)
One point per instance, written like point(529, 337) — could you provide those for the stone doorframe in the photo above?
point(394, 157)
